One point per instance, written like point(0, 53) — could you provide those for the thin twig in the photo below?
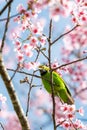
point(72, 62)
point(4, 19)
point(2, 126)
point(5, 7)
point(42, 52)
point(73, 124)
point(23, 72)
point(79, 92)
point(46, 37)
point(15, 15)
point(6, 28)
point(50, 30)
point(30, 84)
point(64, 34)
point(60, 123)
point(28, 100)
point(14, 72)
point(26, 73)
point(51, 79)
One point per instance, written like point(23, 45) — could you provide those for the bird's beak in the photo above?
point(40, 67)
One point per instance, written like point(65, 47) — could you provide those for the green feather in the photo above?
point(60, 88)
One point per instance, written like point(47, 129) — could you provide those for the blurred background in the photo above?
point(64, 50)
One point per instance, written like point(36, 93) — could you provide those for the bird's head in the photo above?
point(43, 69)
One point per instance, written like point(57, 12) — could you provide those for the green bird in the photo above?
point(60, 88)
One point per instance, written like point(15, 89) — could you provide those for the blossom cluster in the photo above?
point(29, 39)
point(76, 40)
point(79, 12)
point(67, 118)
point(75, 44)
point(35, 40)
point(65, 115)
point(30, 24)
point(77, 9)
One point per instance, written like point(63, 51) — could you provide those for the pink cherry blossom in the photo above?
point(55, 11)
point(65, 114)
point(33, 41)
point(37, 28)
point(29, 53)
point(17, 19)
point(77, 42)
point(81, 111)
point(17, 45)
point(28, 65)
point(31, 65)
point(2, 98)
point(20, 8)
point(68, 121)
point(15, 33)
point(76, 38)
point(79, 12)
point(55, 64)
point(27, 50)
point(66, 125)
point(20, 57)
point(35, 65)
point(42, 40)
point(61, 8)
point(69, 108)
point(79, 125)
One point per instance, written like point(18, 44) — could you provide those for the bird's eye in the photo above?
point(43, 72)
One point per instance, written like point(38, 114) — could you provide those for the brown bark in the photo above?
point(14, 99)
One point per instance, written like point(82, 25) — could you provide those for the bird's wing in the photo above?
point(59, 81)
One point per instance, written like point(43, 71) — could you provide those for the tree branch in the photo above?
point(15, 15)
point(2, 126)
point(72, 62)
point(30, 84)
point(64, 34)
point(6, 28)
point(22, 72)
point(51, 78)
point(5, 7)
point(63, 65)
point(14, 99)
